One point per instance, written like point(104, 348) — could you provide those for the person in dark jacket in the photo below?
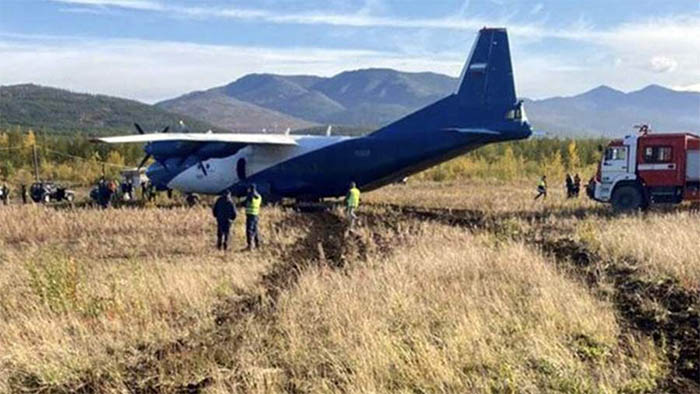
point(569, 186)
point(225, 212)
point(23, 189)
point(577, 185)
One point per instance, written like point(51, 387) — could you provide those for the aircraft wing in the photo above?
point(249, 139)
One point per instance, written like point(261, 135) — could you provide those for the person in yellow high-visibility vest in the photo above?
point(352, 201)
point(542, 188)
point(252, 212)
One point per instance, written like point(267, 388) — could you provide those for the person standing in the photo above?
point(569, 186)
point(352, 201)
point(129, 189)
point(224, 211)
point(577, 185)
point(252, 212)
point(144, 190)
point(5, 194)
point(542, 188)
point(23, 190)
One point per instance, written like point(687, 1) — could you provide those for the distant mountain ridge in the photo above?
point(373, 97)
point(58, 110)
point(353, 101)
point(604, 111)
point(367, 97)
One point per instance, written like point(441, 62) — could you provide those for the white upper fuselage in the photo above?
point(224, 172)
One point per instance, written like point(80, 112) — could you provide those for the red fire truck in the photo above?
point(648, 168)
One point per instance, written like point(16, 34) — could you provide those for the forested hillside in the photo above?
point(60, 111)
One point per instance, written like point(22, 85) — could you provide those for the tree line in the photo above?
point(74, 159)
point(69, 158)
point(528, 159)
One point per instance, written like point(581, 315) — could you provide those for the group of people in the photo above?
point(224, 211)
point(5, 194)
point(104, 192)
point(573, 186)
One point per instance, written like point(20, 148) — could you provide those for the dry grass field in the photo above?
point(661, 243)
point(443, 287)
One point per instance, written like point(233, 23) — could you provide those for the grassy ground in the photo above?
point(459, 294)
point(664, 244)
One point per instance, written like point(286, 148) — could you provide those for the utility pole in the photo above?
point(36, 163)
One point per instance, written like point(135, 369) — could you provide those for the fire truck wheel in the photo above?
point(626, 199)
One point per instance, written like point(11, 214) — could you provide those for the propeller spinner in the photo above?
point(148, 156)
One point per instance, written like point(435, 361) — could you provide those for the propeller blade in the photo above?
point(145, 159)
point(138, 127)
point(165, 130)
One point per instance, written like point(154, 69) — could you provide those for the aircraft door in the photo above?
point(241, 169)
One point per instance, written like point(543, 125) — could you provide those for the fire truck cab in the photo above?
point(646, 169)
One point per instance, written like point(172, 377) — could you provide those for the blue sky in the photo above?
point(156, 49)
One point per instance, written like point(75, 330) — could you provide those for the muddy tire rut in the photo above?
point(327, 242)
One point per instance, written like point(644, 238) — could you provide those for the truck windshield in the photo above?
point(616, 153)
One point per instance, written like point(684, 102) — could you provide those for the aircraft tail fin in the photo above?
point(487, 77)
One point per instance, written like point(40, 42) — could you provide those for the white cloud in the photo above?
point(133, 4)
point(153, 70)
point(682, 29)
point(688, 88)
point(662, 64)
point(627, 56)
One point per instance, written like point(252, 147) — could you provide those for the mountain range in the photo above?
point(369, 97)
point(353, 101)
point(374, 97)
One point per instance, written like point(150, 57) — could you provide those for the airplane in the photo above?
point(482, 110)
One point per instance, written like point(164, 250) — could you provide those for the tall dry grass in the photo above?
point(82, 292)
point(489, 196)
point(87, 295)
point(452, 312)
point(660, 243)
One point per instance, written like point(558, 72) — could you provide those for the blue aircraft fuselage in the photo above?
point(483, 110)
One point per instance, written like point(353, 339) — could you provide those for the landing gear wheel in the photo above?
point(627, 199)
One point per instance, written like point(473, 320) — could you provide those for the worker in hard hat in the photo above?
point(224, 211)
point(352, 201)
point(542, 188)
point(252, 212)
